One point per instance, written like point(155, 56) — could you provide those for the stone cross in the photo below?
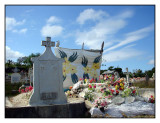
point(127, 75)
point(48, 42)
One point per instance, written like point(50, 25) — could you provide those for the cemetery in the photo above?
point(68, 84)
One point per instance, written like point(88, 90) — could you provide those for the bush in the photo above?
point(11, 89)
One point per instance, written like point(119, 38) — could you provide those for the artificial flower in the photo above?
point(96, 66)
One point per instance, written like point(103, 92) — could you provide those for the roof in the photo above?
point(108, 72)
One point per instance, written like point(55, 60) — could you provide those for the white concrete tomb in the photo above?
point(47, 78)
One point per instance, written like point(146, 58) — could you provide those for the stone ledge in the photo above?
point(69, 110)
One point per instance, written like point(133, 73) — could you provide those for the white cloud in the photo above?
point(11, 54)
point(53, 19)
point(132, 37)
point(23, 30)
point(49, 30)
point(121, 54)
point(11, 23)
point(103, 30)
point(20, 31)
point(90, 14)
point(151, 62)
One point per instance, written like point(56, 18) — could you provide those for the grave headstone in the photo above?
point(147, 78)
point(153, 76)
point(15, 77)
point(30, 75)
point(116, 74)
point(127, 77)
point(47, 78)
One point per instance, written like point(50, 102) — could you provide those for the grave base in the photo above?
point(69, 110)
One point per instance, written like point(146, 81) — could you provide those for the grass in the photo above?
point(143, 84)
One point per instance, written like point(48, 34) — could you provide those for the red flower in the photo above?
point(151, 96)
point(22, 91)
point(152, 101)
point(112, 91)
point(94, 86)
point(30, 88)
point(117, 91)
point(120, 88)
point(134, 91)
point(26, 89)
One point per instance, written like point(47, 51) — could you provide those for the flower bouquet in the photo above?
point(151, 99)
point(100, 103)
point(88, 96)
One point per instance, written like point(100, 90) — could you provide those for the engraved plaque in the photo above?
point(48, 96)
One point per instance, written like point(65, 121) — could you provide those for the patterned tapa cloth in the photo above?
point(78, 64)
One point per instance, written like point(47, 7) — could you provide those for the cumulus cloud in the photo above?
point(91, 14)
point(53, 19)
point(151, 62)
point(50, 29)
point(12, 23)
point(103, 30)
point(11, 54)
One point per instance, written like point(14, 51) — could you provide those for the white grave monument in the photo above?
point(116, 74)
point(47, 78)
point(15, 77)
point(127, 76)
point(30, 74)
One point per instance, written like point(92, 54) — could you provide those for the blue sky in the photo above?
point(128, 32)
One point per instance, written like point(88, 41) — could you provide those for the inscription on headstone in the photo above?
point(47, 96)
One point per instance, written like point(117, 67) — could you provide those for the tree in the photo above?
point(28, 61)
point(111, 68)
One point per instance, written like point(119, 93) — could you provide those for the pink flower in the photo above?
point(30, 88)
point(103, 104)
point(22, 91)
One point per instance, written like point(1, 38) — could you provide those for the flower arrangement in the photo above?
point(151, 99)
point(88, 96)
point(119, 84)
point(91, 87)
point(26, 89)
point(70, 87)
point(100, 102)
point(129, 92)
point(69, 93)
